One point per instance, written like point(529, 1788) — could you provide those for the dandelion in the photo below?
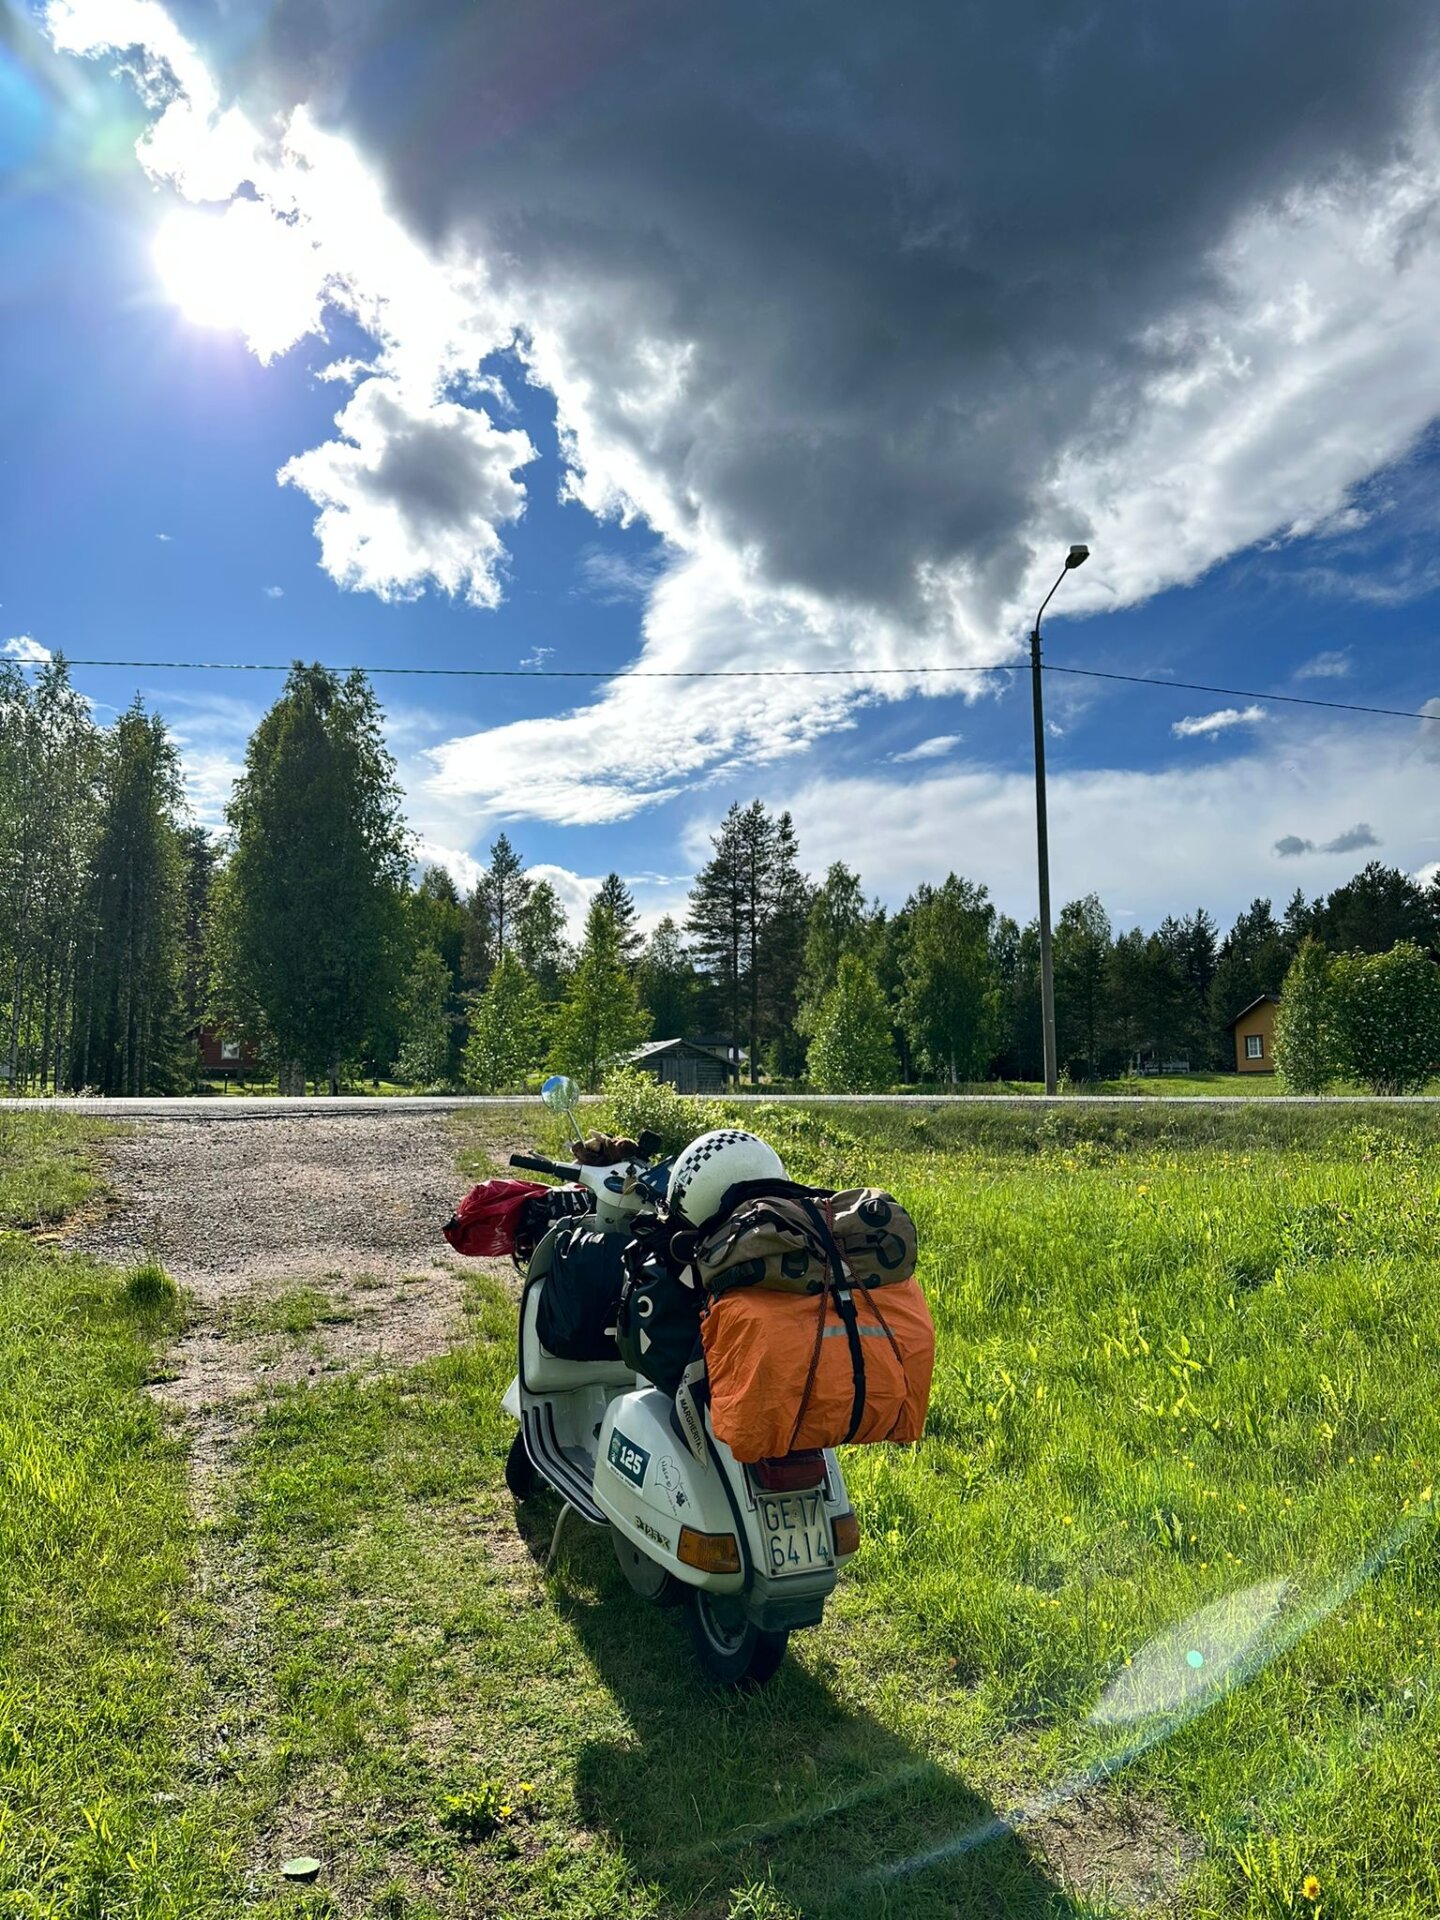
point(525, 1787)
point(505, 1812)
point(1310, 1887)
point(1066, 1520)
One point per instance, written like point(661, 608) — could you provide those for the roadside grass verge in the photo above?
point(94, 1537)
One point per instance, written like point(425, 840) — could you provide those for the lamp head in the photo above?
point(1077, 557)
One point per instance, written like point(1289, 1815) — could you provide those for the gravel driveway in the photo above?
point(273, 1222)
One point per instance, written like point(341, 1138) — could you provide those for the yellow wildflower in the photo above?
point(1310, 1887)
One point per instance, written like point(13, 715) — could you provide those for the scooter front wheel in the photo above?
point(730, 1647)
point(520, 1474)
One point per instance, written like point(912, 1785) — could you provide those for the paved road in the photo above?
point(260, 1107)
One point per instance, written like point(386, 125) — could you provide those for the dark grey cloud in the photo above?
point(1351, 840)
point(1291, 846)
point(904, 258)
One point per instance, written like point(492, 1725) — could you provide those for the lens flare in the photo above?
point(245, 269)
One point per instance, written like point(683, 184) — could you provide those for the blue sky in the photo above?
point(1260, 492)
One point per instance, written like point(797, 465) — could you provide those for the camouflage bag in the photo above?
point(772, 1241)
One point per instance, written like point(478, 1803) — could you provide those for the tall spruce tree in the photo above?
point(619, 903)
point(601, 1019)
point(1082, 959)
point(128, 1037)
point(309, 917)
point(668, 987)
point(498, 897)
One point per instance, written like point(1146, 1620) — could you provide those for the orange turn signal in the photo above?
point(710, 1552)
point(845, 1529)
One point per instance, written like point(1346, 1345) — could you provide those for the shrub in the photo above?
point(1387, 1017)
point(1305, 1040)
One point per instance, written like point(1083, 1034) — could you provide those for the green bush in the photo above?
point(1387, 1017)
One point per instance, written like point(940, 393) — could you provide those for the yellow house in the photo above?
point(1254, 1031)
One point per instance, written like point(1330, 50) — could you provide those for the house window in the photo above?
point(1254, 1046)
point(229, 1049)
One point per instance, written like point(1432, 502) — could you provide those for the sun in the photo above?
point(244, 268)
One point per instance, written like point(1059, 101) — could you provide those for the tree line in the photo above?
point(304, 935)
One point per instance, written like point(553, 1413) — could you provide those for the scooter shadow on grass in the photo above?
point(788, 1788)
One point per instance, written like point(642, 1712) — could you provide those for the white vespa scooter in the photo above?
point(753, 1549)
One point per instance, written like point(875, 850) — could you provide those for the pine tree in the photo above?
point(1371, 912)
point(851, 1051)
point(601, 1020)
point(667, 984)
point(782, 955)
point(716, 923)
point(747, 910)
point(950, 1002)
point(507, 1030)
point(310, 908)
point(619, 903)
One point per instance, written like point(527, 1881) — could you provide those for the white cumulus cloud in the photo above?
point(1199, 725)
point(934, 748)
point(28, 652)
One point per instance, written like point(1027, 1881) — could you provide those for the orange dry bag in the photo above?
point(790, 1371)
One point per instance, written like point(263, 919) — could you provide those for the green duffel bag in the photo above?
point(771, 1240)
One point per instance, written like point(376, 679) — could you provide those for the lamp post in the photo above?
point(1077, 557)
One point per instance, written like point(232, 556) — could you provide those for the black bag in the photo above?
point(658, 1323)
point(580, 1295)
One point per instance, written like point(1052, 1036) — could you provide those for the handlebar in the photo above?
point(532, 1163)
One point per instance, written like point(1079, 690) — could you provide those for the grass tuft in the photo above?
point(149, 1288)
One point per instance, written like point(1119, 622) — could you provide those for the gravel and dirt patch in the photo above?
point(307, 1246)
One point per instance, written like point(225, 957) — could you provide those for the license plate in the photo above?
point(797, 1532)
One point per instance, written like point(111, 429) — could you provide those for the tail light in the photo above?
point(794, 1473)
point(710, 1552)
point(845, 1531)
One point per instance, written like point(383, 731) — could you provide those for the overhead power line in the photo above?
point(764, 673)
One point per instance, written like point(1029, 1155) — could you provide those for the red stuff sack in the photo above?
point(485, 1223)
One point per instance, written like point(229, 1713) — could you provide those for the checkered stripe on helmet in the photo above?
point(695, 1157)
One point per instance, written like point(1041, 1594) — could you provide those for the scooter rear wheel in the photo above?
point(520, 1475)
point(650, 1580)
point(730, 1647)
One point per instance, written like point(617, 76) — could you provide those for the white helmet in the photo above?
point(711, 1165)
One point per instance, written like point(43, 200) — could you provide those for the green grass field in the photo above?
point(1184, 1358)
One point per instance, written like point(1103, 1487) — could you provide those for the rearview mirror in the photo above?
point(559, 1093)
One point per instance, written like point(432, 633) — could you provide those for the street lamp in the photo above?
point(1076, 557)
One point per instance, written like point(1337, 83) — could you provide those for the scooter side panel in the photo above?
point(648, 1486)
